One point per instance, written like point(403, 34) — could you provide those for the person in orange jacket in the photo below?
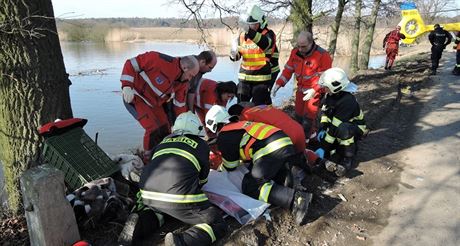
point(307, 61)
point(304, 158)
point(275, 117)
point(391, 46)
point(266, 150)
point(209, 92)
point(150, 80)
point(256, 48)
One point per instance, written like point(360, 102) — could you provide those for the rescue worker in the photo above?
point(207, 60)
point(267, 149)
point(456, 70)
point(439, 39)
point(342, 121)
point(391, 46)
point(304, 158)
point(307, 61)
point(255, 47)
point(171, 183)
point(148, 81)
point(209, 92)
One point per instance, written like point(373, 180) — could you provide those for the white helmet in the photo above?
point(335, 79)
point(188, 123)
point(256, 15)
point(216, 114)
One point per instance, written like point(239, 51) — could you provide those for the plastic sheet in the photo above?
point(224, 190)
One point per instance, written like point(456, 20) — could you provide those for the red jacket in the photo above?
point(305, 68)
point(393, 37)
point(154, 76)
point(205, 94)
point(279, 119)
point(206, 97)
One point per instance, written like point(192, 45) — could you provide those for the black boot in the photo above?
point(344, 167)
point(300, 206)
point(433, 71)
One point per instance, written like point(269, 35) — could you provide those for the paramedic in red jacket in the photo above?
point(209, 92)
point(307, 61)
point(391, 46)
point(148, 81)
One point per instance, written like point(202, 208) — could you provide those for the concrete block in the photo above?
point(50, 217)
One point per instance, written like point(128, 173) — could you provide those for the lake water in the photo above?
point(95, 70)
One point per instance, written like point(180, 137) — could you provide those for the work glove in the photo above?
point(275, 88)
point(320, 153)
point(320, 135)
point(234, 49)
point(308, 94)
point(128, 94)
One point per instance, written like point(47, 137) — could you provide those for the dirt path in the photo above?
point(425, 209)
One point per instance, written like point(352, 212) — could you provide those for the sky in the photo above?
point(71, 9)
point(118, 8)
point(115, 8)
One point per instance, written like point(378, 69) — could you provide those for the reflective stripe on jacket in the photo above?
point(255, 47)
point(254, 57)
point(336, 109)
point(254, 131)
point(154, 76)
point(275, 117)
point(305, 68)
point(178, 169)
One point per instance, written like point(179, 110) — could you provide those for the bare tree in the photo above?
point(336, 26)
point(355, 42)
point(34, 86)
point(302, 13)
point(370, 27)
point(430, 9)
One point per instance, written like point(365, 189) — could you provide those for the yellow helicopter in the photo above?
point(412, 24)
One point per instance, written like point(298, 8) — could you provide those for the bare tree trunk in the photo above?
point(370, 27)
point(355, 42)
point(34, 85)
point(301, 16)
point(336, 26)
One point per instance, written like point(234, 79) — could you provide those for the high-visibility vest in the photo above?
point(254, 58)
point(254, 131)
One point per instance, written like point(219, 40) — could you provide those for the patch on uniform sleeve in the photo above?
point(159, 80)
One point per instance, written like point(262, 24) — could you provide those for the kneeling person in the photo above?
point(342, 121)
point(267, 148)
point(171, 183)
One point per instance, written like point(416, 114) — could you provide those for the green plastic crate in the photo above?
point(79, 157)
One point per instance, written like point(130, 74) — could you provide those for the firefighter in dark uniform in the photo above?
point(439, 39)
point(342, 121)
point(256, 48)
point(267, 149)
point(171, 183)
